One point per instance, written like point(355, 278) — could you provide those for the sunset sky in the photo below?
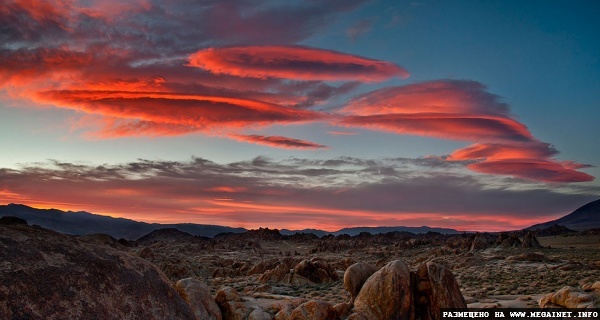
point(474, 115)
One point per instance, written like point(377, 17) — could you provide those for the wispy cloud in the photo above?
point(360, 28)
point(279, 142)
point(294, 62)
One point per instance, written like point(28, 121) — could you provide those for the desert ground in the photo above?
point(261, 274)
point(490, 274)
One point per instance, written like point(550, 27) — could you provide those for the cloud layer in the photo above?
point(293, 193)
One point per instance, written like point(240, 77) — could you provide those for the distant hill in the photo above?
point(82, 223)
point(376, 230)
point(584, 218)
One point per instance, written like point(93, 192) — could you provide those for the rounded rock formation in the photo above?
point(387, 294)
point(355, 276)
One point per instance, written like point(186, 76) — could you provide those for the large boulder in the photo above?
point(355, 276)
point(48, 275)
point(435, 288)
point(314, 310)
point(198, 296)
point(387, 294)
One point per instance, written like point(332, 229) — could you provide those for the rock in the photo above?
point(591, 287)
point(276, 271)
point(6, 220)
point(529, 256)
point(355, 276)
point(387, 294)
point(295, 271)
point(530, 241)
point(480, 242)
point(342, 309)
point(231, 304)
point(435, 288)
point(314, 310)
point(285, 312)
point(259, 314)
point(508, 240)
point(48, 275)
point(571, 298)
point(316, 270)
point(198, 296)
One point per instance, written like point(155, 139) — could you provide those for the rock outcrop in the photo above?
point(296, 272)
point(572, 298)
point(530, 241)
point(231, 304)
point(198, 296)
point(435, 288)
point(480, 242)
point(355, 276)
point(48, 275)
point(316, 270)
point(393, 292)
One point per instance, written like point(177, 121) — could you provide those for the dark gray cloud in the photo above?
point(338, 192)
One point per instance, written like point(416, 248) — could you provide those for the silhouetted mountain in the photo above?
point(82, 223)
point(584, 218)
point(376, 230)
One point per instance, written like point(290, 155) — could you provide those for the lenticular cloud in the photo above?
point(294, 62)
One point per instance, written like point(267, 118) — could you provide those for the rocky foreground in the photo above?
point(262, 274)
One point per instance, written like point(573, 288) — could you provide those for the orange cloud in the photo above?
point(534, 169)
point(532, 161)
point(448, 109)
point(488, 151)
point(462, 110)
point(278, 142)
point(173, 112)
point(294, 62)
point(456, 127)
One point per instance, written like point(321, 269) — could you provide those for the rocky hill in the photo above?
point(48, 275)
point(584, 218)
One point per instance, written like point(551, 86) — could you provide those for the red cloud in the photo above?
point(458, 97)
point(531, 150)
point(294, 62)
point(445, 126)
point(532, 169)
point(463, 110)
point(450, 109)
point(278, 142)
point(177, 112)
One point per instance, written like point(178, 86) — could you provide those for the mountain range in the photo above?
point(82, 223)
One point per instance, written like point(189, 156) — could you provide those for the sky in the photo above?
point(473, 115)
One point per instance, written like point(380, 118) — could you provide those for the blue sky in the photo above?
point(302, 108)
